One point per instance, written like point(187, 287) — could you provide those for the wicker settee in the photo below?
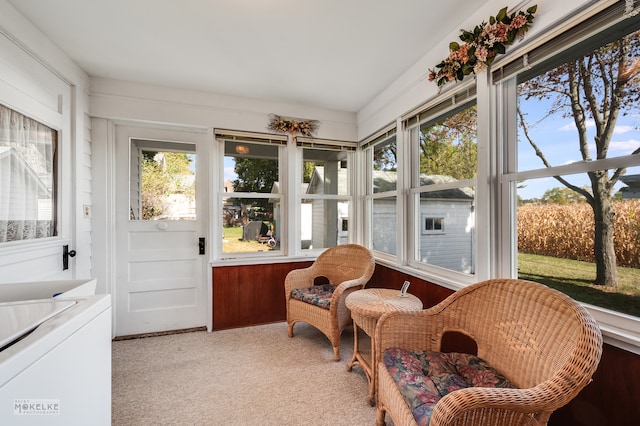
point(347, 268)
point(540, 346)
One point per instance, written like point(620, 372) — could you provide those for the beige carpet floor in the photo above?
point(246, 376)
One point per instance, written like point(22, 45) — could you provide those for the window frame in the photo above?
point(290, 195)
point(52, 107)
point(619, 329)
point(296, 157)
point(368, 147)
point(440, 107)
point(222, 136)
point(434, 230)
point(51, 157)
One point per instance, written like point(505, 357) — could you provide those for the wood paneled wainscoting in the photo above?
point(250, 294)
point(254, 294)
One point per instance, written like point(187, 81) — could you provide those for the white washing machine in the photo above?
point(55, 359)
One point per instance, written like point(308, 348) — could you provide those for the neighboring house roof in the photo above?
point(632, 190)
point(384, 180)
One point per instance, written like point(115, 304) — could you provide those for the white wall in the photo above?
point(120, 100)
point(39, 80)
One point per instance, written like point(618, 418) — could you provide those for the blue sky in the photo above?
point(229, 165)
point(557, 138)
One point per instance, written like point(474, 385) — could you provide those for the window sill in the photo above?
point(262, 260)
point(19, 247)
point(618, 329)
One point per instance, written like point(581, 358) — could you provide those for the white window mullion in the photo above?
point(485, 198)
point(291, 213)
point(507, 161)
point(404, 219)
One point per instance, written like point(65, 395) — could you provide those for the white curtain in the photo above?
point(27, 171)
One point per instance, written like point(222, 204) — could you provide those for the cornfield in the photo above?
point(567, 231)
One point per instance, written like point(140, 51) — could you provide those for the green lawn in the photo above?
point(233, 243)
point(575, 278)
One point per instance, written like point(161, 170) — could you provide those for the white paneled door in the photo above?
point(161, 226)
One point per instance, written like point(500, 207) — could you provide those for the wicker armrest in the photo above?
point(348, 286)
point(511, 406)
point(415, 330)
point(299, 278)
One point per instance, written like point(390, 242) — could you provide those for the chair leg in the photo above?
point(290, 329)
point(336, 353)
point(380, 416)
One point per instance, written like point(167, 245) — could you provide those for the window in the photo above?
point(432, 225)
point(574, 164)
point(250, 192)
point(27, 178)
point(381, 193)
point(163, 181)
point(280, 198)
point(444, 147)
point(326, 197)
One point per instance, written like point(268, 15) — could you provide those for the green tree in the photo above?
point(154, 187)
point(385, 157)
point(597, 87)
point(162, 174)
point(449, 147)
point(307, 170)
point(561, 196)
point(256, 175)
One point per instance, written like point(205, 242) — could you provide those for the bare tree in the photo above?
point(598, 87)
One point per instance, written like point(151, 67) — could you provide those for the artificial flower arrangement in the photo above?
point(286, 125)
point(482, 45)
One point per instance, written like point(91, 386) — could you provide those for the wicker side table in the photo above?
point(367, 306)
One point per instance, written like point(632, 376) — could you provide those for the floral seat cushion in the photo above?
point(319, 295)
point(424, 377)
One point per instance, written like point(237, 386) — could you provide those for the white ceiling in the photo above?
point(335, 54)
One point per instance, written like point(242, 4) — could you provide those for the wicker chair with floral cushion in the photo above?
point(347, 268)
point(536, 349)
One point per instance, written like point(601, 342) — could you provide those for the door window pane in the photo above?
point(163, 181)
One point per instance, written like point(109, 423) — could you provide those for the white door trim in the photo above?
point(110, 241)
